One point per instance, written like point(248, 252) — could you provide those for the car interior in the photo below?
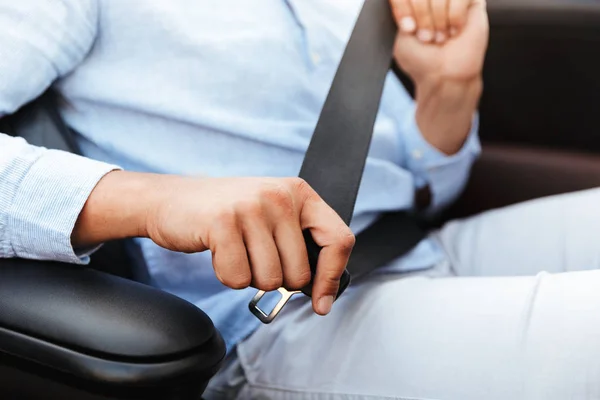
point(102, 332)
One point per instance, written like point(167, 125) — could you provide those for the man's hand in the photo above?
point(252, 226)
point(441, 45)
point(441, 39)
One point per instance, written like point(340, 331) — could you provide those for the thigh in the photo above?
point(447, 338)
point(554, 234)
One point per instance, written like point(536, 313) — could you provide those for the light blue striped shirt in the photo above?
point(217, 88)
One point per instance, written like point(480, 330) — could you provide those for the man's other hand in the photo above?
point(441, 45)
point(441, 39)
point(252, 226)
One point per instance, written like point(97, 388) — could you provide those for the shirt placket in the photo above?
point(314, 49)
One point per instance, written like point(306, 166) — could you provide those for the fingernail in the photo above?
point(425, 35)
point(408, 24)
point(440, 37)
point(453, 31)
point(325, 304)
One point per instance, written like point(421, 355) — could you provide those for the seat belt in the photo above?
point(334, 162)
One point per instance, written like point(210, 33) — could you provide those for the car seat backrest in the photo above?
point(40, 124)
point(542, 74)
point(540, 111)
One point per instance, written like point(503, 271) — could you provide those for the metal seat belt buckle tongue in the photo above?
point(313, 256)
point(336, 156)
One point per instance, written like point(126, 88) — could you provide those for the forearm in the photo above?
point(445, 111)
point(440, 152)
point(116, 209)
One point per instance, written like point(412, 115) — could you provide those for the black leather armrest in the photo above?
point(102, 333)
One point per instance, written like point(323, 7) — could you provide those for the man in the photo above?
point(233, 89)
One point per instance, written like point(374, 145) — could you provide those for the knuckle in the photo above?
point(304, 278)
point(226, 219)
point(332, 280)
point(299, 280)
point(269, 283)
point(279, 197)
point(301, 187)
point(236, 281)
point(250, 208)
point(346, 240)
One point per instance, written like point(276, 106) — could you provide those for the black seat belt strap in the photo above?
point(336, 157)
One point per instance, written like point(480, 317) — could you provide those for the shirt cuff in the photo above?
point(446, 175)
point(47, 203)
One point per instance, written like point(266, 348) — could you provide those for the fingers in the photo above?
point(293, 256)
point(457, 15)
point(230, 260)
point(336, 240)
point(439, 13)
point(260, 243)
point(403, 13)
point(432, 21)
point(424, 18)
point(265, 264)
point(281, 209)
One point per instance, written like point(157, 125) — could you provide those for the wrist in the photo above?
point(117, 208)
point(449, 85)
point(445, 109)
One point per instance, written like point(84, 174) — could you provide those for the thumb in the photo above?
point(336, 241)
point(326, 284)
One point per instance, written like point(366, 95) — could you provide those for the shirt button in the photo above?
point(417, 154)
point(316, 58)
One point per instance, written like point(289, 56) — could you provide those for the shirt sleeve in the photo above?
point(445, 175)
point(40, 41)
point(42, 191)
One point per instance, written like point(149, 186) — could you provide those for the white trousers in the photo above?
point(514, 313)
